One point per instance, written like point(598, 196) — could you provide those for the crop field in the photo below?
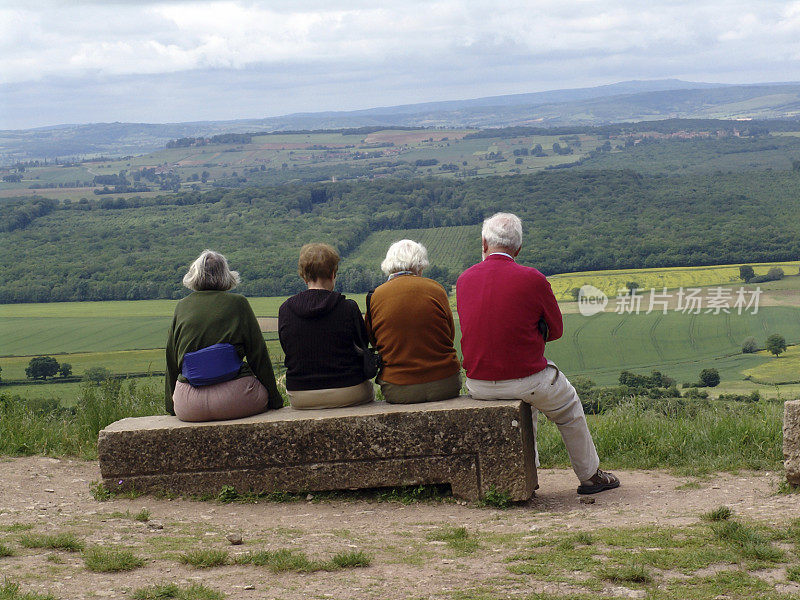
point(782, 370)
point(125, 361)
point(611, 282)
point(128, 337)
point(445, 246)
point(678, 344)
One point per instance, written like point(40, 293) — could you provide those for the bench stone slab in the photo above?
point(471, 445)
point(791, 441)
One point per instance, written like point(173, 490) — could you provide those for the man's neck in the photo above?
point(497, 250)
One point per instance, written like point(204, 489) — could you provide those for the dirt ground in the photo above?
point(54, 496)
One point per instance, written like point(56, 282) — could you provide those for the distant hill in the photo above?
point(619, 102)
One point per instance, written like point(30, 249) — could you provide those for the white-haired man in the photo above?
point(507, 312)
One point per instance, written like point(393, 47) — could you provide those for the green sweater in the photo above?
point(211, 317)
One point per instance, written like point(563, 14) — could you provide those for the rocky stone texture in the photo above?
point(471, 445)
point(791, 441)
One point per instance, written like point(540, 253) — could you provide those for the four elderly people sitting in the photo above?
point(507, 311)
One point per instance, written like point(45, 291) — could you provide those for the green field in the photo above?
point(128, 337)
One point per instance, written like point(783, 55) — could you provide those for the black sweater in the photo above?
point(318, 333)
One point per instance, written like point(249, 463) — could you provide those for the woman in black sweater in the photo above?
point(319, 330)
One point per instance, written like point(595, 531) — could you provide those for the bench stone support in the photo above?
point(471, 445)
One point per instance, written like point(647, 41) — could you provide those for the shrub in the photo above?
point(709, 377)
point(749, 346)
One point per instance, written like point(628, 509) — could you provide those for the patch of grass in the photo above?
point(495, 498)
point(285, 560)
point(16, 527)
point(168, 591)
point(351, 559)
point(689, 485)
point(5, 551)
point(625, 574)
point(793, 573)
point(111, 560)
point(10, 591)
point(722, 513)
point(750, 543)
point(58, 541)
point(143, 516)
point(55, 559)
point(99, 491)
point(784, 487)
point(458, 538)
point(280, 561)
point(204, 559)
point(411, 494)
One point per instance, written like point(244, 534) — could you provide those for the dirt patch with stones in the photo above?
point(54, 496)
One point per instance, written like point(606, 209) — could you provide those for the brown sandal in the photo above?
point(600, 481)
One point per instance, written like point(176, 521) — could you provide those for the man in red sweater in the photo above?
point(507, 312)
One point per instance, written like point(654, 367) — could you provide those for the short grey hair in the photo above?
point(503, 230)
point(210, 272)
point(405, 255)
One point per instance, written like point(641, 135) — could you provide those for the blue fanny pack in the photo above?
point(211, 365)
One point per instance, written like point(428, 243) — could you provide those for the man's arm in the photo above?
point(551, 313)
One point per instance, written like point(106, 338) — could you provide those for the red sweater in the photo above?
point(499, 306)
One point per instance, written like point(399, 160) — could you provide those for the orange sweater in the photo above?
point(411, 325)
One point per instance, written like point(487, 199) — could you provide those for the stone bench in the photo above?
point(791, 441)
point(470, 445)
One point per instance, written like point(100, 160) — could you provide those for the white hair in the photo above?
point(405, 255)
point(210, 272)
point(503, 230)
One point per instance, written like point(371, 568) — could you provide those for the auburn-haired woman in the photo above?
point(212, 333)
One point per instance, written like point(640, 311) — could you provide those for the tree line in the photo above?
point(574, 221)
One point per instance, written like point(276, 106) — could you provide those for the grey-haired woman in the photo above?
point(212, 333)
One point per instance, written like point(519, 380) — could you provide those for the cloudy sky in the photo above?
point(85, 61)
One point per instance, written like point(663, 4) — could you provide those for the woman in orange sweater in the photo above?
point(410, 323)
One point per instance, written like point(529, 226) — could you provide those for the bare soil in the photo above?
point(54, 496)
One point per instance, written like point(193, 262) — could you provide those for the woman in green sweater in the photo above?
point(212, 332)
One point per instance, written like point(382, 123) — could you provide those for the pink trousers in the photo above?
point(232, 399)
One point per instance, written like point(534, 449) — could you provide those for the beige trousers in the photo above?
point(332, 397)
point(551, 392)
point(441, 389)
point(234, 399)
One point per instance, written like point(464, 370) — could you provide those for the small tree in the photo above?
point(709, 377)
point(1, 370)
point(776, 344)
point(65, 370)
point(746, 273)
point(41, 367)
point(749, 346)
point(575, 293)
point(632, 286)
point(97, 374)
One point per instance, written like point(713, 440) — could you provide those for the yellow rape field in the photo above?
point(610, 282)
